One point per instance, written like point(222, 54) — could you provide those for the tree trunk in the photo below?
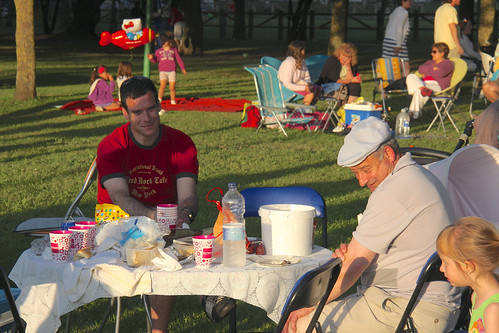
point(338, 30)
point(298, 20)
point(193, 35)
point(25, 50)
point(486, 27)
point(239, 20)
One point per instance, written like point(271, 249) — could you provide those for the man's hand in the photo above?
point(460, 49)
point(340, 252)
point(293, 318)
point(397, 50)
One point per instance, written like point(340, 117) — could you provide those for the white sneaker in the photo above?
point(173, 103)
point(338, 129)
point(162, 112)
point(99, 108)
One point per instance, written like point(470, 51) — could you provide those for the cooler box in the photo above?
point(357, 112)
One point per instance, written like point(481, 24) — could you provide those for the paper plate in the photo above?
point(274, 261)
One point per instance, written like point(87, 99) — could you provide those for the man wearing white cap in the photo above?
point(395, 236)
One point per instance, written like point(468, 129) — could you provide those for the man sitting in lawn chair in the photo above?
point(142, 164)
point(395, 236)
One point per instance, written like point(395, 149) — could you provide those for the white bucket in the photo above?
point(287, 229)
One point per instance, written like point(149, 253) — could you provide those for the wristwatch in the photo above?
point(190, 214)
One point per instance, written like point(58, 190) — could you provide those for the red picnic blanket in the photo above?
point(183, 104)
point(205, 104)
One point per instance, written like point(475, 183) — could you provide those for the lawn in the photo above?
point(45, 152)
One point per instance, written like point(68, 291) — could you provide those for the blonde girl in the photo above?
point(469, 250)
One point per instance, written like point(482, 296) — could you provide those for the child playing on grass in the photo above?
point(469, 250)
point(124, 73)
point(165, 57)
point(101, 93)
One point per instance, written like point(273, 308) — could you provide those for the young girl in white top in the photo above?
point(469, 250)
point(124, 73)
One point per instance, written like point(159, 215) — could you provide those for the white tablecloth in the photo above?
point(49, 290)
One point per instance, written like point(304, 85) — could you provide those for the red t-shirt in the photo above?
point(151, 172)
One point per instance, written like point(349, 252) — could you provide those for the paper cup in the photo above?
point(167, 215)
point(80, 238)
point(203, 250)
point(60, 243)
point(93, 230)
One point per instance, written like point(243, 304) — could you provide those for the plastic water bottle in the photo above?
point(402, 123)
point(234, 245)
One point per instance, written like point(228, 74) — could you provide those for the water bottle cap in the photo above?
point(232, 185)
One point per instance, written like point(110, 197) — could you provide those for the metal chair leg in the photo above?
point(106, 314)
point(118, 315)
point(233, 321)
point(147, 307)
point(68, 322)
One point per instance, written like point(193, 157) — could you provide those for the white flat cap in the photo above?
point(364, 139)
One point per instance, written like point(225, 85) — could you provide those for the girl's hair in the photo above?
point(442, 47)
point(95, 73)
point(471, 238)
point(167, 39)
point(294, 50)
point(125, 69)
point(348, 49)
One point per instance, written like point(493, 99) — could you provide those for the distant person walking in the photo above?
point(446, 29)
point(396, 33)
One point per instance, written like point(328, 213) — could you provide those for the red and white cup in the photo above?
point(93, 230)
point(167, 215)
point(60, 243)
point(80, 238)
point(203, 250)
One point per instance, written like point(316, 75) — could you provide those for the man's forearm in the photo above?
point(455, 37)
point(133, 207)
point(349, 274)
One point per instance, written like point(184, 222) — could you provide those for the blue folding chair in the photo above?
point(273, 109)
point(313, 288)
point(431, 272)
point(255, 197)
point(288, 95)
point(10, 320)
point(314, 64)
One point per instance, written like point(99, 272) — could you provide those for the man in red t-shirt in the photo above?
point(144, 163)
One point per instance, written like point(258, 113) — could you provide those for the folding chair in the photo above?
point(311, 289)
point(430, 272)
point(385, 72)
point(488, 67)
point(444, 100)
point(255, 197)
point(10, 320)
point(314, 64)
point(288, 95)
point(273, 109)
point(40, 225)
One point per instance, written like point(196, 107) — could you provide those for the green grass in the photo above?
point(45, 152)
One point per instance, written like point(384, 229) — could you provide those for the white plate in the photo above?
point(274, 261)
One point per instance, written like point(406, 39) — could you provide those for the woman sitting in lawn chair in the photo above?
point(294, 74)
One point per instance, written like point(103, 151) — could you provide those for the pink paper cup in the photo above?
point(80, 238)
point(93, 230)
point(203, 250)
point(167, 215)
point(60, 243)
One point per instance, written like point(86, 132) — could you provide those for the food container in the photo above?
point(287, 229)
point(141, 257)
